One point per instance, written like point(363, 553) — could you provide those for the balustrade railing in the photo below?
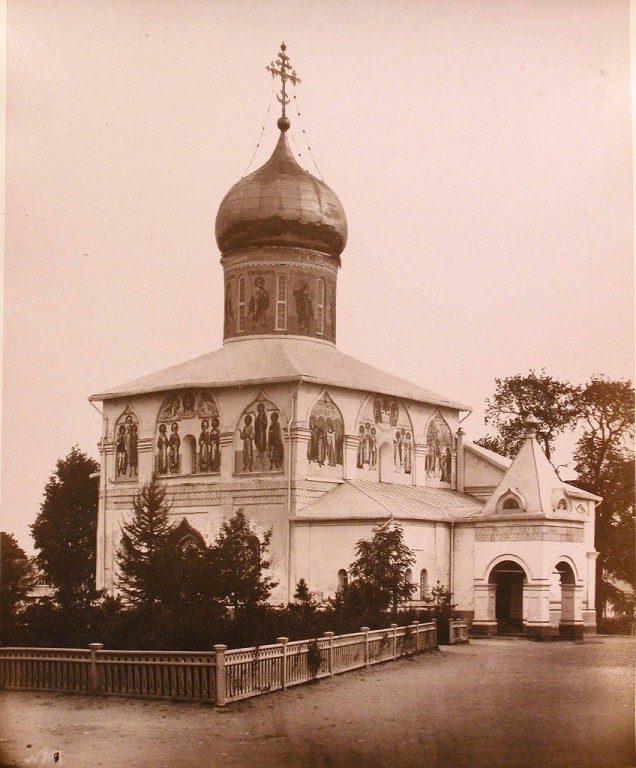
point(219, 676)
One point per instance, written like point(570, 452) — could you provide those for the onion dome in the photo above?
point(281, 204)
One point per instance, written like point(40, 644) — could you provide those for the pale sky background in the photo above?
point(481, 149)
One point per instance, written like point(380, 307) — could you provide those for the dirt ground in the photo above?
point(499, 702)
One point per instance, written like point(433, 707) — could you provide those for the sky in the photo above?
point(481, 149)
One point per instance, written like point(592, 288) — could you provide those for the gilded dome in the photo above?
point(281, 204)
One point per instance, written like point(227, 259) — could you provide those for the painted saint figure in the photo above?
point(258, 304)
point(174, 449)
point(330, 437)
point(321, 441)
point(312, 446)
point(377, 411)
point(120, 451)
point(304, 306)
point(275, 448)
point(228, 309)
point(174, 446)
point(393, 414)
point(247, 436)
point(339, 428)
point(204, 447)
point(360, 457)
point(447, 466)
point(397, 450)
point(162, 450)
point(408, 454)
point(260, 431)
point(373, 449)
point(214, 450)
point(133, 450)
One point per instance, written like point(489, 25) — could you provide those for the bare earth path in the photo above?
point(500, 702)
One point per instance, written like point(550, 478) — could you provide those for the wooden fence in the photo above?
point(458, 631)
point(219, 677)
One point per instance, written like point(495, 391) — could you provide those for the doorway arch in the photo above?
point(508, 578)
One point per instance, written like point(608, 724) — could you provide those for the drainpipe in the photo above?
point(451, 575)
point(289, 474)
point(459, 465)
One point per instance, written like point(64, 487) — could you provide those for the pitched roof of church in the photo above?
point(365, 499)
point(267, 360)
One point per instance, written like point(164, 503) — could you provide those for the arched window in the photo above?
point(343, 580)
point(188, 455)
point(281, 303)
point(320, 307)
point(254, 546)
point(409, 580)
point(423, 583)
point(240, 316)
point(511, 504)
point(562, 504)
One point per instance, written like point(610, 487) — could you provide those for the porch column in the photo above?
point(485, 621)
point(536, 611)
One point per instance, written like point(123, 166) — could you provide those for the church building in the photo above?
point(322, 448)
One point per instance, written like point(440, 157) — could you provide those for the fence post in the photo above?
point(330, 651)
point(394, 628)
point(417, 636)
point(94, 681)
point(219, 662)
point(283, 663)
point(366, 645)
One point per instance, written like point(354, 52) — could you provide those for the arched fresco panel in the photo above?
point(384, 421)
point(188, 413)
point(126, 442)
point(258, 445)
point(325, 449)
point(439, 456)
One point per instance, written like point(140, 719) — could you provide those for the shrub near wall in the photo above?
point(194, 629)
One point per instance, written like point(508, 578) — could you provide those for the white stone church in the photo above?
point(322, 448)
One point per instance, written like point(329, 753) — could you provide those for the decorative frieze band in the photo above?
point(529, 533)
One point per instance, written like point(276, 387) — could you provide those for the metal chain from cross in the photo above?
point(281, 68)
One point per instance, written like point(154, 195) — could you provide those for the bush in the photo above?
point(617, 625)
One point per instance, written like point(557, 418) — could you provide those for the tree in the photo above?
point(305, 603)
point(16, 579)
point(495, 444)
point(380, 569)
point(238, 561)
point(147, 559)
point(553, 402)
point(65, 529)
point(605, 466)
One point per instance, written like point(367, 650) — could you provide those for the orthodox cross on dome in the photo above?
point(282, 68)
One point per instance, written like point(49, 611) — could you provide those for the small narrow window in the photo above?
point(409, 580)
point(240, 319)
point(511, 504)
point(281, 303)
point(320, 308)
point(188, 455)
point(423, 583)
point(343, 580)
